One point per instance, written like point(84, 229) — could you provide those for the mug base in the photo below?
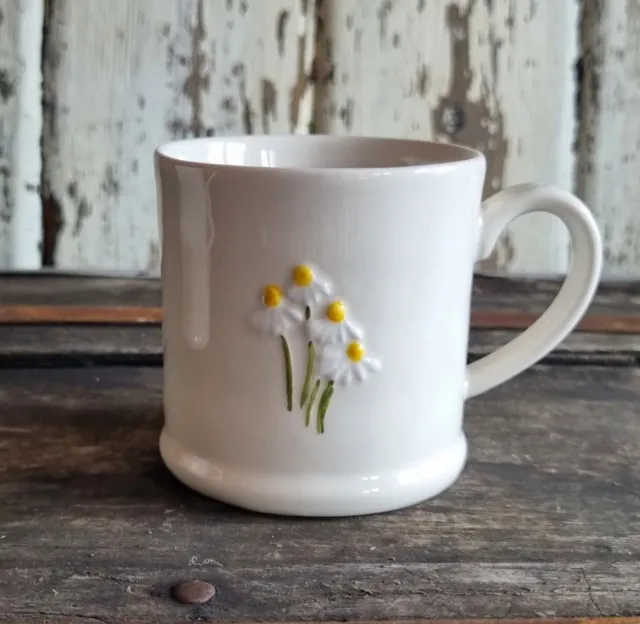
point(311, 495)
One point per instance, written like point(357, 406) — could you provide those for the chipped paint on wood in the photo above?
point(609, 139)
point(468, 71)
point(20, 130)
point(123, 77)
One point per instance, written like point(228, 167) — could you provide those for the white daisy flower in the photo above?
point(310, 287)
point(335, 327)
point(345, 364)
point(276, 314)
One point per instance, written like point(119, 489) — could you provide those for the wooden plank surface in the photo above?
point(73, 345)
point(609, 138)
point(544, 522)
point(35, 289)
point(123, 77)
point(467, 71)
point(590, 620)
point(132, 315)
point(490, 292)
point(501, 307)
point(20, 132)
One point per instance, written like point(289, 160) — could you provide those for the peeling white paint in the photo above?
point(394, 64)
point(134, 74)
point(609, 175)
point(122, 77)
point(20, 130)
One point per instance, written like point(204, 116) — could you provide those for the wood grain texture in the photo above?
point(490, 293)
point(544, 522)
point(123, 77)
point(468, 71)
point(36, 289)
point(609, 136)
point(20, 130)
point(64, 315)
point(130, 315)
point(501, 306)
point(587, 620)
point(87, 345)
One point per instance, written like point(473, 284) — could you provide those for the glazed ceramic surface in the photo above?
point(317, 301)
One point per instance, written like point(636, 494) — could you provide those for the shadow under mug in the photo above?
point(316, 296)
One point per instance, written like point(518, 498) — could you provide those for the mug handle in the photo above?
point(571, 302)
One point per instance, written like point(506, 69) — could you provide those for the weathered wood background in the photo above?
point(550, 91)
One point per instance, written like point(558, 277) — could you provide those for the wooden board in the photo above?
point(89, 345)
point(20, 131)
point(490, 292)
point(123, 77)
point(98, 320)
point(544, 522)
point(609, 140)
point(468, 71)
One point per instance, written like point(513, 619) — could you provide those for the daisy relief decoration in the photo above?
point(336, 326)
point(275, 317)
point(336, 341)
point(343, 364)
point(309, 287)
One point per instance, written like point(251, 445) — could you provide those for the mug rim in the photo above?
point(451, 155)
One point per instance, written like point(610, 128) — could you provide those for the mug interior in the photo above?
point(314, 152)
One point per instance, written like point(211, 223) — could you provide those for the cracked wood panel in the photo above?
point(20, 128)
point(122, 77)
point(610, 128)
point(497, 75)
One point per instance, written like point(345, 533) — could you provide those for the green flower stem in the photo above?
point(311, 358)
point(323, 406)
point(288, 372)
point(312, 400)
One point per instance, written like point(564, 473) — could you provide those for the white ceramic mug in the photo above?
point(317, 300)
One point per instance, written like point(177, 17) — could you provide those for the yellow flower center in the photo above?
point(302, 275)
point(272, 296)
point(356, 351)
point(337, 312)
